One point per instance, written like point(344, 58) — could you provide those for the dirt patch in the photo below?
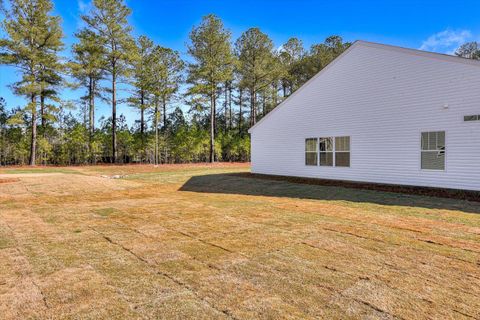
point(8, 180)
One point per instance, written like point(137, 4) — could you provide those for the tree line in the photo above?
point(225, 86)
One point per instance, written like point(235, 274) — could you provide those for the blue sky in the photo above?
point(439, 26)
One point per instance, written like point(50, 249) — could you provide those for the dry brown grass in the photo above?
point(198, 242)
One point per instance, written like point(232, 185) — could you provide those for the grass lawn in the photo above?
point(209, 242)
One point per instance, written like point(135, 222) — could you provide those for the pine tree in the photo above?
point(291, 55)
point(34, 38)
point(320, 56)
point(211, 50)
point(166, 76)
point(256, 65)
point(469, 50)
point(141, 81)
point(3, 130)
point(87, 67)
point(108, 20)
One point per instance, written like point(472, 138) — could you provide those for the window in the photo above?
point(342, 151)
point(311, 152)
point(433, 150)
point(326, 151)
point(471, 118)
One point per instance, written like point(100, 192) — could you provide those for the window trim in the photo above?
point(421, 150)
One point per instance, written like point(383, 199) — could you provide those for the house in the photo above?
point(381, 114)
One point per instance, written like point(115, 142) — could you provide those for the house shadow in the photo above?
point(312, 189)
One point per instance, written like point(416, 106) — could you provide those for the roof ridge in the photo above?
point(431, 54)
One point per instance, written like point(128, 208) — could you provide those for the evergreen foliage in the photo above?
point(227, 85)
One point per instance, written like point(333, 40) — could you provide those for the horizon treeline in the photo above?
point(226, 86)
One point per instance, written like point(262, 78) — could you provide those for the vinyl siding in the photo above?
point(383, 99)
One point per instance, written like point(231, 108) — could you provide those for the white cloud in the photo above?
point(83, 6)
point(446, 41)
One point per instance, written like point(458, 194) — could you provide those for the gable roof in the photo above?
point(427, 54)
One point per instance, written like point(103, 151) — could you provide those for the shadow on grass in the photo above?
point(258, 185)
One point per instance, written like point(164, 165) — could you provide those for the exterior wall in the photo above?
point(382, 98)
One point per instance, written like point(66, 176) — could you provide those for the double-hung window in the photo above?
point(342, 151)
point(326, 151)
point(311, 151)
point(433, 150)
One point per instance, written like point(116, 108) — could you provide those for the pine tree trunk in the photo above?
point(275, 95)
point(142, 113)
point(164, 104)
point(266, 105)
point(93, 106)
point(44, 124)
point(225, 105)
point(42, 112)
point(212, 127)
point(164, 101)
point(230, 107)
point(240, 102)
point(156, 134)
point(253, 108)
point(2, 153)
point(4, 149)
point(91, 110)
point(90, 118)
point(142, 122)
point(114, 118)
point(33, 145)
point(263, 104)
point(85, 116)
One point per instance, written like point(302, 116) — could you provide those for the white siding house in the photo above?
point(379, 114)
